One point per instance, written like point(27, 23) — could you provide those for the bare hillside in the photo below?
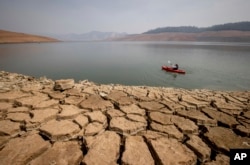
point(14, 37)
point(225, 36)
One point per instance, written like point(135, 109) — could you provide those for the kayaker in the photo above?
point(175, 67)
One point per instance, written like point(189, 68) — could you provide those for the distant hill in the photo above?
point(209, 36)
point(239, 26)
point(90, 36)
point(15, 37)
point(230, 32)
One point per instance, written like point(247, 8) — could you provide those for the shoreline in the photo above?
point(28, 42)
point(89, 123)
point(209, 88)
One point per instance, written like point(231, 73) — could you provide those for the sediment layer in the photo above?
point(63, 122)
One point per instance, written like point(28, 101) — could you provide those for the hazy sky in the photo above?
point(131, 16)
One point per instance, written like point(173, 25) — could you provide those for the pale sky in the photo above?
point(131, 16)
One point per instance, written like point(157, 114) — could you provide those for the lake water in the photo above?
point(223, 66)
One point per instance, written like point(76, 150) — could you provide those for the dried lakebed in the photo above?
point(63, 122)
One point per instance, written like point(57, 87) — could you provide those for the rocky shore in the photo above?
point(64, 122)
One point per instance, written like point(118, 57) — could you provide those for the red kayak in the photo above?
point(170, 69)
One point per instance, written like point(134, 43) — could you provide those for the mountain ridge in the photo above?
point(210, 36)
point(90, 36)
point(239, 26)
point(228, 32)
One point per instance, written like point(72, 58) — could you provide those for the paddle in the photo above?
point(170, 63)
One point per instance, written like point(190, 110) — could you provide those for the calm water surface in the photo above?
point(223, 66)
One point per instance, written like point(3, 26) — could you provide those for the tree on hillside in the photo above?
point(241, 26)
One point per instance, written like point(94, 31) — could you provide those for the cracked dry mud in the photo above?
point(63, 122)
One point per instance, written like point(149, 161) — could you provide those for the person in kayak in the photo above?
point(175, 67)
